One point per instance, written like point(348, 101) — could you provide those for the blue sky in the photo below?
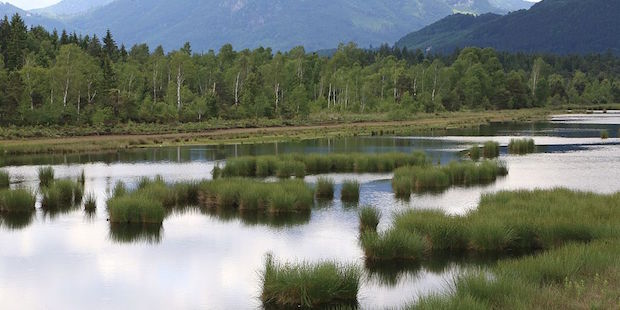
point(31, 4)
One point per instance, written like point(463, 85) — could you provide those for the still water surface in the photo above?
point(213, 261)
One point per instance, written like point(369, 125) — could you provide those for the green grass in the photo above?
point(136, 209)
point(490, 150)
point(325, 188)
point(437, 178)
point(392, 245)
point(5, 179)
point(306, 285)
point(604, 134)
point(299, 165)
point(350, 191)
point(120, 189)
point(369, 218)
point(247, 194)
point(145, 233)
point(16, 200)
point(521, 146)
point(90, 202)
point(474, 153)
point(46, 176)
point(504, 223)
point(61, 194)
point(82, 178)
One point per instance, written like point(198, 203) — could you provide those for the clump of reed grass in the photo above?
point(325, 188)
point(308, 285)
point(392, 245)
point(490, 149)
point(474, 153)
point(82, 178)
point(5, 179)
point(350, 191)
point(16, 200)
point(136, 209)
point(120, 189)
point(604, 134)
point(521, 146)
point(369, 219)
point(61, 194)
point(46, 176)
point(90, 202)
point(289, 168)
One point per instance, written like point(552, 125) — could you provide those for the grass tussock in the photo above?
point(325, 188)
point(490, 149)
point(521, 146)
point(306, 285)
point(250, 195)
point(5, 179)
point(16, 200)
point(350, 191)
point(435, 178)
point(61, 194)
point(506, 222)
point(90, 202)
point(82, 178)
point(474, 153)
point(299, 165)
point(369, 218)
point(604, 134)
point(46, 176)
point(136, 209)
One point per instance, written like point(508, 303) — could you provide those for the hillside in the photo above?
point(30, 18)
point(554, 26)
point(71, 7)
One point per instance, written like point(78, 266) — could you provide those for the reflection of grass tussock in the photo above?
point(148, 233)
point(5, 179)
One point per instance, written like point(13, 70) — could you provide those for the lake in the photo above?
point(199, 259)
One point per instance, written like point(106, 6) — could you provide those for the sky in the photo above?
point(31, 4)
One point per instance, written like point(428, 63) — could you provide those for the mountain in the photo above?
point(66, 8)
point(30, 18)
point(553, 26)
point(280, 24)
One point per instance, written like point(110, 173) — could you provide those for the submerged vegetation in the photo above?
point(299, 165)
point(435, 178)
point(16, 200)
point(350, 191)
point(46, 176)
point(309, 285)
point(521, 146)
point(506, 222)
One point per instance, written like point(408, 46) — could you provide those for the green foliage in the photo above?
point(309, 285)
point(90, 202)
point(521, 146)
point(61, 194)
point(392, 245)
point(17, 200)
point(490, 150)
point(46, 176)
point(474, 153)
point(136, 209)
point(5, 179)
point(324, 188)
point(369, 218)
point(350, 191)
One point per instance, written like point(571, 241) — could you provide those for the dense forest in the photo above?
point(50, 78)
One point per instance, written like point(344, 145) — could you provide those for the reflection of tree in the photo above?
point(126, 233)
point(254, 218)
point(16, 220)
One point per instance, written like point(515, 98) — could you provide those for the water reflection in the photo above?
point(125, 233)
point(16, 220)
point(256, 218)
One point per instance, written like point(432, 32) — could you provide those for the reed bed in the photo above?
point(5, 179)
point(436, 178)
point(505, 222)
point(521, 146)
point(16, 200)
point(474, 153)
point(61, 194)
point(490, 149)
point(350, 191)
point(369, 218)
point(312, 164)
point(306, 285)
point(247, 194)
point(46, 176)
point(135, 208)
point(325, 188)
point(604, 134)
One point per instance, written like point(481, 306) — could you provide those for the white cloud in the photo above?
point(32, 4)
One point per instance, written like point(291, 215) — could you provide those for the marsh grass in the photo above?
point(16, 200)
point(136, 209)
point(437, 178)
point(474, 153)
point(146, 233)
point(46, 176)
point(16, 220)
point(490, 149)
point(120, 189)
point(61, 194)
point(392, 245)
point(308, 285)
point(369, 218)
point(521, 146)
point(82, 178)
point(299, 165)
point(90, 202)
point(324, 188)
point(604, 134)
point(350, 191)
point(5, 179)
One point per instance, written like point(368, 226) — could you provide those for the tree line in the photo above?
point(50, 78)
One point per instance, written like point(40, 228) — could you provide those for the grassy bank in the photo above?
point(76, 139)
point(307, 285)
point(506, 222)
point(298, 165)
point(436, 178)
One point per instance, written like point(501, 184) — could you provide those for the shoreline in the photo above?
point(424, 122)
